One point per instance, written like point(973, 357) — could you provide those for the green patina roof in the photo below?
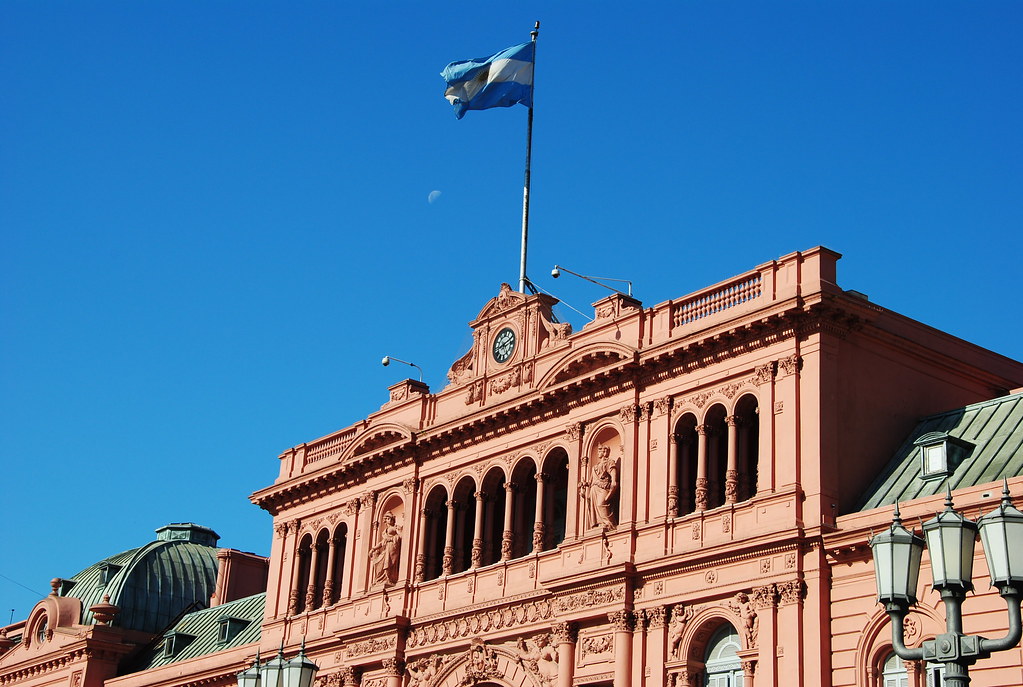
point(993, 428)
point(152, 584)
point(199, 632)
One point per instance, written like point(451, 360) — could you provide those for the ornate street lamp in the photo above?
point(951, 539)
point(297, 672)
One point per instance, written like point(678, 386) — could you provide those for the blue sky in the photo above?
point(215, 215)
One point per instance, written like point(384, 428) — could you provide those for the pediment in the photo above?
point(375, 438)
point(585, 359)
point(507, 299)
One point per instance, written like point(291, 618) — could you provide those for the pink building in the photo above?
point(674, 495)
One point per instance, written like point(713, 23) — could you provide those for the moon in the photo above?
point(432, 198)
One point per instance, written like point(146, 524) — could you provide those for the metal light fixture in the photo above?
point(297, 672)
point(897, 553)
point(951, 539)
point(250, 677)
point(1001, 533)
point(388, 359)
point(300, 671)
point(273, 670)
point(599, 281)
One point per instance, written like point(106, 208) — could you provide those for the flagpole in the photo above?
point(523, 280)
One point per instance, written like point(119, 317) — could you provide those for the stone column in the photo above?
point(314, 560)
point(539, 527)
point(623, 622)
point(657, 643)
point(701, 466)
point(477, 531)
point(732, 471)
point(564, 635)
point(449, 540)
point(507, 533)
point(296, 569)
point(674, 451)
point(328, 582)
point(424, 521)
point(393, 669)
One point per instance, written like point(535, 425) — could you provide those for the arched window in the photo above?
point(893, 672)
point(321, 558)
point(717, 456)
point(465, 524)
point(747, 413)
point(435, 532)
point(305, 557)
point(494, 504)
point(723, 667)
point(555, 499)
point(682, 491)
point(523, 508)
point(339, 543)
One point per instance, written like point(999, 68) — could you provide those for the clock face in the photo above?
point(504, 345)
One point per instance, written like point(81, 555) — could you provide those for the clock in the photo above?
point(504, 345)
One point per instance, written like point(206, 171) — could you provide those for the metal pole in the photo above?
point(525, 187)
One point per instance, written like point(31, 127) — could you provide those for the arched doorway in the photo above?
point(723, 667)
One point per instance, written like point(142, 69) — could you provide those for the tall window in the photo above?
point(893, 674)
point(724, 669)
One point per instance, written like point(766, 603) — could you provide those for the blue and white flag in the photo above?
point(500, 80)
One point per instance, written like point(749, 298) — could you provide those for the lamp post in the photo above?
point(296, 672)
point(951, 539)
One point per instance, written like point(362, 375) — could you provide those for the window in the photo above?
point(41, 630)
point(229, 628)
point(940, 453)
point(893, 674)
point(175, 642)
point(724, 669)
point(935, 674)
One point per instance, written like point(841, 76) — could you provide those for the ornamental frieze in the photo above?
point(374, 645)
point(473, 624)
point(594, 597)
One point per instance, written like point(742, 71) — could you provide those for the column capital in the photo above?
point(564, 632)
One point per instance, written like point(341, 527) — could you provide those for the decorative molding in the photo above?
point(474, 624)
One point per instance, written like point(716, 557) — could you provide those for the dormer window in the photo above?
point(175, 642)
point(229, 628)
point(107, 570)
point(940, 453)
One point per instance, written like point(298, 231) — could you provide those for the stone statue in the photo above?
point(422, 672)
point(603, 489)
point(385, 553)
point(743, 607)
point(680, 616)
point(539, 658)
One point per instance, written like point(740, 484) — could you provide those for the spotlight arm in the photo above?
point(388, 358)
point(596, 280)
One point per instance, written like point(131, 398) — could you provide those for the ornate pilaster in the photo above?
point(702, 486)
point(448, 562)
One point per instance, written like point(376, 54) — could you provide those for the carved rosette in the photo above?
point(622, 621)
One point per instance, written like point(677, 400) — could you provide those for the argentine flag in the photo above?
point(500, 80)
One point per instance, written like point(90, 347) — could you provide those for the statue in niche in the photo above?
point(385, 553)
point(603, 489)
point(539, 658)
